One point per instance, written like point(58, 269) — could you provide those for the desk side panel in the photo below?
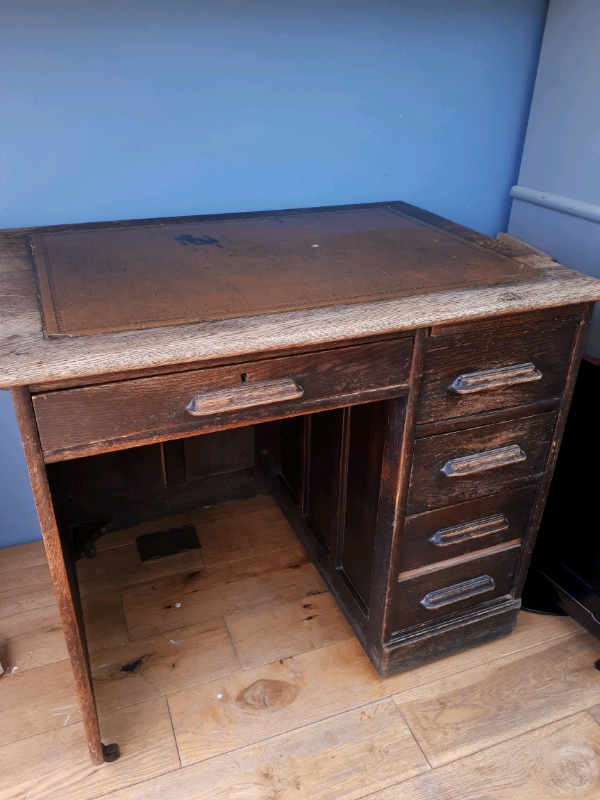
point(62, 570)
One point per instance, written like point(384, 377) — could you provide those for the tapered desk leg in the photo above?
point(64, 579)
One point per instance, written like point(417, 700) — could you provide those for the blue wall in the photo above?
point(18, 519)
point(132, 109)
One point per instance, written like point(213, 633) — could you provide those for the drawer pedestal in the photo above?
point(423, 531)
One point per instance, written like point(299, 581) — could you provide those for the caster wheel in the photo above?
point(111, 752)
point(90, 551)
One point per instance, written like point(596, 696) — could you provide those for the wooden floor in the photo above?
point(230, 674)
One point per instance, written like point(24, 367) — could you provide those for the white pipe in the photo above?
point(575, 208)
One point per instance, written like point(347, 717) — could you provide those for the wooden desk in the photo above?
point(407, 381)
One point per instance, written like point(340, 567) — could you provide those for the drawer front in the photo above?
point(495, 368)
point(238, 394)
point(441, 591)
point(465, 528)
point(451, 468)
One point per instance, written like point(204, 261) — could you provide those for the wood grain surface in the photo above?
point(356, 752)
point(483, 706)
point(420, 546)
point(544, 343)
point(26, 357)
point(62, 571)
point(38, 700)
point(23, 556)
point(190, 597)
point(318, 724)
point(288, 694)
point(291, 627)
point(431, 488)
point(559, 760)
point(33, 638)
point(117, 569)
point(147, 668)
point(127, 409)
point(496, 565)
point(29, 588)
point(148, 750)
point(265, 529)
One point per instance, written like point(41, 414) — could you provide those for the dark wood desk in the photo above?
point(406, 382)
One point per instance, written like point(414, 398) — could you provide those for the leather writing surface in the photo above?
point(172, 272)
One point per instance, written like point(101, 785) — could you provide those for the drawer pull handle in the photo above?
point(469, 530)
point(460, 591)
point(246, 395)
point(496, 378)
point(480, 462)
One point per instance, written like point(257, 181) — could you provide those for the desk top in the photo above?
point(141, 276)
point(85, 300)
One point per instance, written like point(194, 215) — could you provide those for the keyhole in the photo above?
point(244, 377)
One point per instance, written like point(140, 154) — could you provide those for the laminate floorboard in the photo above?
point(22, 556)
point(480, 707)
point(36, 701)
point(121, 567)
point(33, 638)
point(340, 758)
point(148, 668)
point(560, 760)
point(57, 766)
point(271, 696)
point(195, 596)
point(268, 632)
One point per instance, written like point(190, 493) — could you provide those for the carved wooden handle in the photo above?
point(496, 378)
point(469, 530)
point(245, 395)
point(480, 462)
point(460, 591)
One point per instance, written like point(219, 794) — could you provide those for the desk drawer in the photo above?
point(465, 528)
point(451, 468)
point(189, 402)
point(441, 591)
point(494, 368)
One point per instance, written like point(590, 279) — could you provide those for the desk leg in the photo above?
point(64, 578)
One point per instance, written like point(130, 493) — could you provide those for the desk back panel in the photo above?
point(110, 491)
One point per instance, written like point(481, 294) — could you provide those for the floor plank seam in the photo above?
point(40, 733)
point(588, 712)
point(500, 742)
point(237, 655)
point(287, 732)
point(441, 767)
point(220, 564)
point(174, 734)
point(124, 616)
point(491, 661)
point(380, 699)
point(211, 569)
point(418, 743)
point(387, 696)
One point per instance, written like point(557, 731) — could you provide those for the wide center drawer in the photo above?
point(454, 467)
point(236, 394)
